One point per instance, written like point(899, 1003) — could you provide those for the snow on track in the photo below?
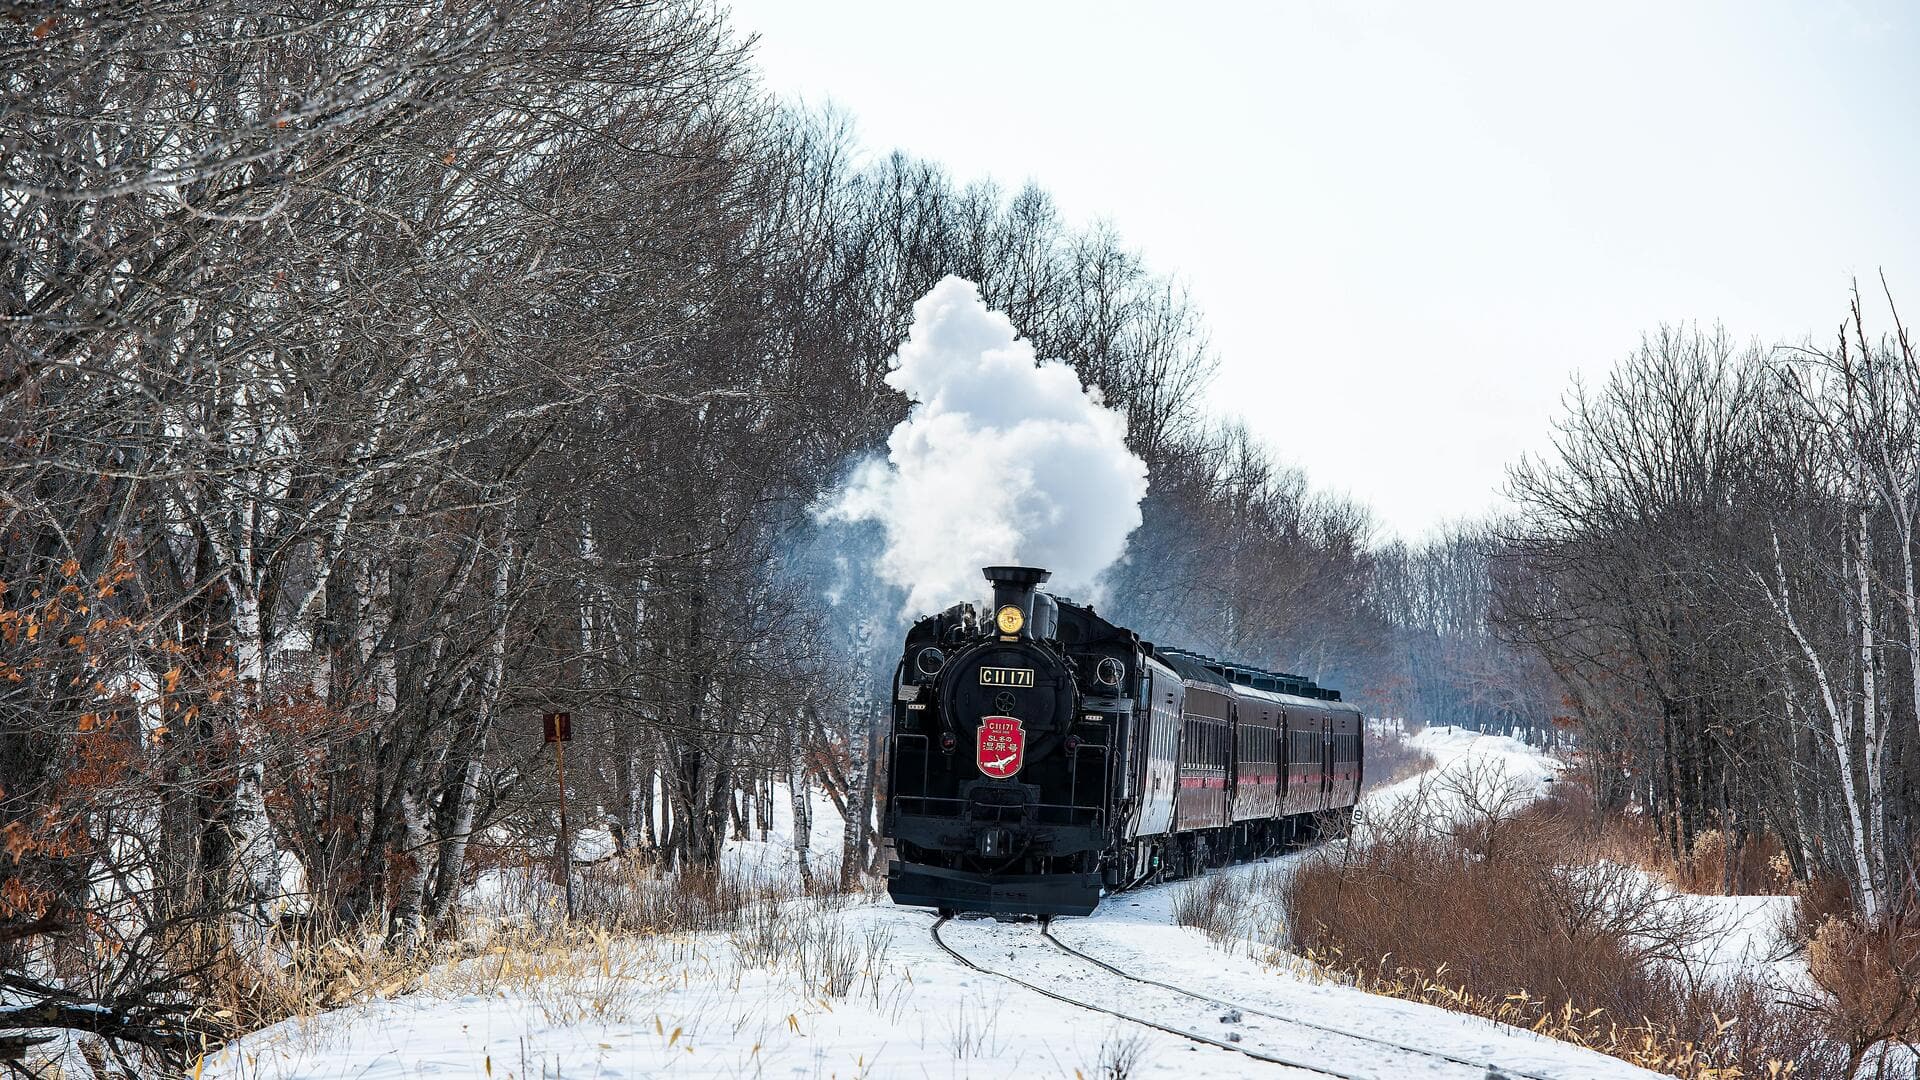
point(1174, 1015)
point(1236, 1008)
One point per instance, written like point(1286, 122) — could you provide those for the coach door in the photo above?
point(1326, 762)
point(1164, 699)
point(1301, 737)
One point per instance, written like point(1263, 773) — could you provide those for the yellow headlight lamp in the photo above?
point(1009, 619)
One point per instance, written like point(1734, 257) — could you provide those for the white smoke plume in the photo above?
point(1003, 458)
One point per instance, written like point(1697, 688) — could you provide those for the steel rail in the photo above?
point(1046, 931)
point(1206, 1040)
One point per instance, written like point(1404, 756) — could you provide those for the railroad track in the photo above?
point(1192, 1036)
point(1489, 1069)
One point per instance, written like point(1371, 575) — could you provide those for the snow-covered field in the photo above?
point(702, 1005)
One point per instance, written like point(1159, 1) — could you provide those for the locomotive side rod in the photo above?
point(1220, 1044)
point(1046, 931)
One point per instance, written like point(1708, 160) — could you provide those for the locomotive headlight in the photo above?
point(1009, 619)
point(928, 662)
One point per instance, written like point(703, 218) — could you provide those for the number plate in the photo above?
point(1006, 676)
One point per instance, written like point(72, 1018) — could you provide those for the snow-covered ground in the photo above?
point(1468, 767)
point(704, 1005)
point(1744, 938)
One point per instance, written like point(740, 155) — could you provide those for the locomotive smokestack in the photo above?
point(1013, 587)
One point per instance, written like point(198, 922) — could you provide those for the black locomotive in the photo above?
point(1042, 756)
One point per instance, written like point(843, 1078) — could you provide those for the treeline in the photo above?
point(379, 379)
point(1448, 660)
point(1716, 559)
point(1237, 556)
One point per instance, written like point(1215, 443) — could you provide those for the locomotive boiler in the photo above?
point(1041, 757)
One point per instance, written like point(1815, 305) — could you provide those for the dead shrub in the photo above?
point(1502, 916)
point(1211, 903)
point(1722, 862)
point(1122, 1055)
point(1870, 981)
point(1815, 902)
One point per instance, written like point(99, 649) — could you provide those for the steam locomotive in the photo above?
point(1041, 757)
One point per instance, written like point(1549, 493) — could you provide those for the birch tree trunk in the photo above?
point(1910, 598)
point(630, 803)
point(763, 805)
point(460, 802)
point(1840, 736)
point(853, 844)
point(1875, 738)
point(405, 923)
point(798, 790)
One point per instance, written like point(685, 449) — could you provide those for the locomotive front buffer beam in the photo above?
point(997, 894)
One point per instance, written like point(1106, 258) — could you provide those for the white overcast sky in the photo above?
point(1408, 224)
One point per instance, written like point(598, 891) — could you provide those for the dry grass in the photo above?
point(974, 1034)
point(1721, 1033)
point(1514, 916)
point(572, 975)
point(607, 963)
point(305, 980)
